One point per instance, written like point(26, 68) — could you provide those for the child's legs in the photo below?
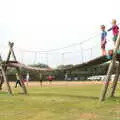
point(115, 38)
point(103, 52)
point(17, 81)
point(103, 49)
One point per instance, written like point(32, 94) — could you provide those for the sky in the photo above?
point(43, 25)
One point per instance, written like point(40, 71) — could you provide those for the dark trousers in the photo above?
point(17, 82)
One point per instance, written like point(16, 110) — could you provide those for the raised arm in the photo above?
point(110, 29)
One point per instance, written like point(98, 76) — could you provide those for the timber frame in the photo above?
point(4, 66)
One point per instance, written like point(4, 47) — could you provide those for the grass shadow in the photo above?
point(64, 95)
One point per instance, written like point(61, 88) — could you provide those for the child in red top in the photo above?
point(50, 78)
point(115, 30)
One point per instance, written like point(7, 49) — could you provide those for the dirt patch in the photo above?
point(90, 116)
point(63, 83)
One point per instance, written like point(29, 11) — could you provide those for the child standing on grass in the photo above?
point(27, 78)
point(103, 39)
point(115, 30)
point(50, 78)
point(18, 80)
point(41, 78)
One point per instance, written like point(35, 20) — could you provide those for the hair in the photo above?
point(102, 27)
point(114, 21)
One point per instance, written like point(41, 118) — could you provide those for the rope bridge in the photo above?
point(20, 65)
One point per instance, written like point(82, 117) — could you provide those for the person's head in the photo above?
point(102, 27)
point(114, 22)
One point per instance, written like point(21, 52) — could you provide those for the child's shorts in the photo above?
point(115, 37)
point(103, 46)
point(103, 43)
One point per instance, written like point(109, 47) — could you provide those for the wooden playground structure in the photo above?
point(5, 64)
point(114, 65)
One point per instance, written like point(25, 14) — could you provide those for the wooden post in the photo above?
point(115, 80)
point(9, 54)
point(5, 65)
point(4, 68)
point(1, 81)
point(5, 80)
point(4, 77)
point(107, 78)
point(11, 49)
point(18, 69)
point(21, 81)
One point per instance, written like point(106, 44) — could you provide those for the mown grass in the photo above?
point(59, 103)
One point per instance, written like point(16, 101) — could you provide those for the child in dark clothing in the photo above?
point(18, 80)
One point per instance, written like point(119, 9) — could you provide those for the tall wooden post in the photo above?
point(115, 80)
point(1, 80)
point(107, 78)
point(5, 65)
point(6, 81)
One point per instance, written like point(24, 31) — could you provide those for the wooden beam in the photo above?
point(9, 54)
point(1, 82)
point(107, 79)
point(6, 81)
point(115, 81)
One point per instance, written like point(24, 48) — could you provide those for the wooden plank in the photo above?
point(19, 65)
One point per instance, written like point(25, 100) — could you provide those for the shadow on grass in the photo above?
point(4, 93)
point(114, 98)
point(64, 95)
point(13, 94)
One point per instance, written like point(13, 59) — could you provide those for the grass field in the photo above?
point(59, 102)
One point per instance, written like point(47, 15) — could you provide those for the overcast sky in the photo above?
point(50, 24)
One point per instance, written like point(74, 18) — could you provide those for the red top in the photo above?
point(50, 77)
point(115, 30)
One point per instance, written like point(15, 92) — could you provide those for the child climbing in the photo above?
point(115, 30)
point(103, 39)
